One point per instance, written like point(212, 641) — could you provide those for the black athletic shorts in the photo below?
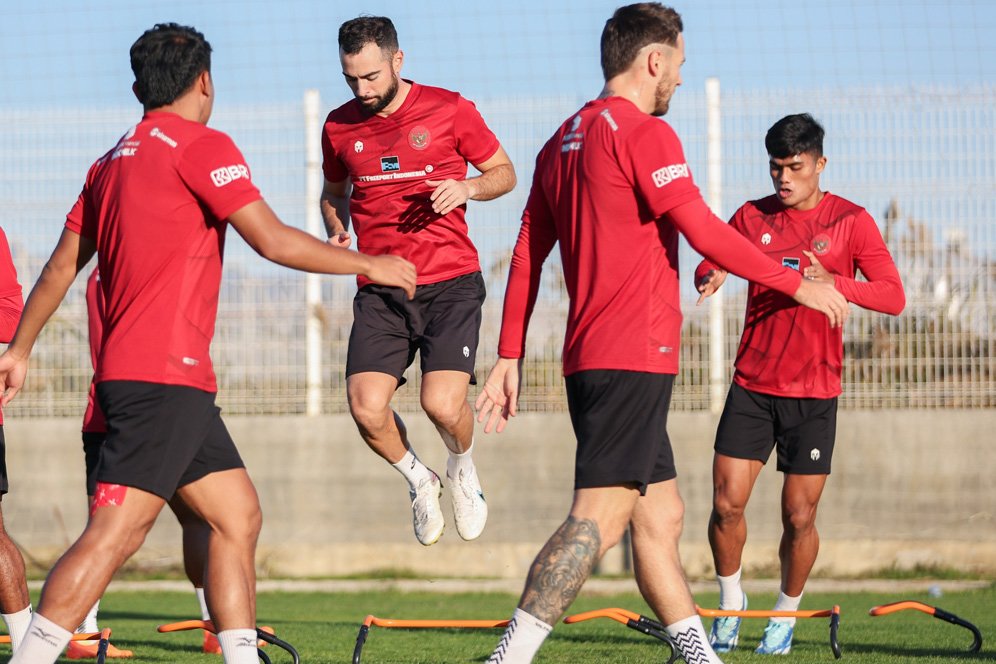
point(443, 323)
point(803, 430)
point(92, 442)
point(620, 421)
point(3, 463)
point(161, 437)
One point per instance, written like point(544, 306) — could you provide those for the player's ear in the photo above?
point(134, 89)
point(397, 61)
point(821, 163)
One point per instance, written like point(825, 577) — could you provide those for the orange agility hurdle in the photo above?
point(263, 634)
point(833, 614)
point(946, 616)
point(640, 623)
point(374, 621)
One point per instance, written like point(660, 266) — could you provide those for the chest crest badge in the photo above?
point(419, 137)
point(821, 244)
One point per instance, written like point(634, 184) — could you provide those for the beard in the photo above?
point(662, 98)
point(377, 104)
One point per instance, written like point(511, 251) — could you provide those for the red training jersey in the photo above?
point(432, 136)
point(786, 349)
point(613, 187)
point(155, 206)
point(93, 418)
point(11, 301)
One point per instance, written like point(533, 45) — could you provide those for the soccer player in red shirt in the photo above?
point(155, 209)
point(15, 605)
point(787, 378)
point(613, 188)
point(395, 163)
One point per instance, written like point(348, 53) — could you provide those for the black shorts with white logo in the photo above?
point(92, 442)
point(620, 421)
point(803, 430)
point(161, 437)
point(442, 323)
point(3, 463)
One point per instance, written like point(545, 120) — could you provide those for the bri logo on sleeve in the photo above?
point(225, 174)
point(668, 174)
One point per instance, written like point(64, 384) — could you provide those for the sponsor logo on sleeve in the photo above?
point(226, 174)
point(666, 175)
point(389, 164)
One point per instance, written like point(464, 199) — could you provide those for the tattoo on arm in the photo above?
point(560, 569)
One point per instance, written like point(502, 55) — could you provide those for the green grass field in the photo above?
point(323, 627)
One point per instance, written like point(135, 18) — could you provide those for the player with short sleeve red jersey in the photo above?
point(613, 188)
point(155, 209)
point(432, 136)
point(788, 366)
point(395, 163)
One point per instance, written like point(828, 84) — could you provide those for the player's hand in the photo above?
point(499, 398)
point(823, 297)
point(12, 372)
point(816, 271)
point(389, 270)
point(341, 239)
point(710, 283)
point(448, 194)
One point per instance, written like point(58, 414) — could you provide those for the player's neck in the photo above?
point(810, 203)
point(404, 87)
point(628, 87)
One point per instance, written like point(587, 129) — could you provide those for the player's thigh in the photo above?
point(370, 392)
point(806, 433)
point(747, 426)
point(444, 391)
point(452, 325)
point(381, 339)
point(659, 513)
point(620, 422)
point(226, 500)
point(733, 481)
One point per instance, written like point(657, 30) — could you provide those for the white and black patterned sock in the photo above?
point(522, 638)
point(693, 644)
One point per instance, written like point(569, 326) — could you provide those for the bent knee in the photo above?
point(445, 412)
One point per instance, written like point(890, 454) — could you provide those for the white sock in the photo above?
point(17, 625)
point(457, 462)
point(786, 603)
point(43, 642)
point(89, 624)
point(522, 638)
point(205, 614)
point(238, 646)
point(692, 642)
point(731, 593)
point(413, 469)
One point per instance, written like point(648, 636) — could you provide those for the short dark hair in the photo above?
point(795, 134)
point(631, 28)
point(358, 32)
point(166, 61)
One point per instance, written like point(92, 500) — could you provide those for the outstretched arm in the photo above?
point(70, 255)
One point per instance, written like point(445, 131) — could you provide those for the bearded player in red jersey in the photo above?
point(155, 209)
point(395, 163)
point(613, 188)
point(788, 366)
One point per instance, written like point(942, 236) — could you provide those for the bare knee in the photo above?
point(371, 412)
point(727, 511)
point(444, 410)
point(799, 519)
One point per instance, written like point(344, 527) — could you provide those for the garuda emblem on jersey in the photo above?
point(821, 244)
point(418, 137)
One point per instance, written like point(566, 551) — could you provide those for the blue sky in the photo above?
point(71, 53)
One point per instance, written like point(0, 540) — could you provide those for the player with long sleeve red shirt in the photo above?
point(155, 209)
point(15, 605)
point(395, 164)
point(788, 366)
point(613, 188)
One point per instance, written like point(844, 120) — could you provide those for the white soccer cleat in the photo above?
point(470, 510)
point(427, 516)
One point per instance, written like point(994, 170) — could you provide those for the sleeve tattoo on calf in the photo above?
point(560, 569)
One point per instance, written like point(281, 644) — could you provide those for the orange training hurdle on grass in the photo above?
point(833, 614)
point(88, 636)
point(642, 624)
point(934, 611)
point(184, 625)
point(374, 621)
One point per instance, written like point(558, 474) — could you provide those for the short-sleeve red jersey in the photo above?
point(155, 206)
point(786, 349)
point(432, 136)
point(93, 418)
point(609, 186)
point(11, 300)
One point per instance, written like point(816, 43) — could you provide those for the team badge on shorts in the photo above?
point(821, 244)
point(419, 137)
